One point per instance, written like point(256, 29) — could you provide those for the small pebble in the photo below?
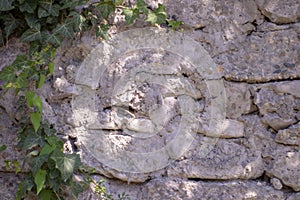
point(276, 183)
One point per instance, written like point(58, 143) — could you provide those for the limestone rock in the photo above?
point(280, 12)
point(238, 99)
point(295, 196)
point(277, 108)
point(290, 136)
point(276, 122)
point(286, 167)
point(231, 190)
point(227, 160)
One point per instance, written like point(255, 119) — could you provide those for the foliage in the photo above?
point(44, 24)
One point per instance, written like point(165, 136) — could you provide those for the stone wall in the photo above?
point(255, 45)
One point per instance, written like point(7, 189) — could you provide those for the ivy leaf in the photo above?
point(53, 140)
point(28, 6)
point(10, 24)
point(64, 30)
point(31, 35)
point(21, 81)
point(66, 164)
point(32, 140)
point(32, 22)
point(41, 81)
point(174, 24)
point(33, 100)
point(37, 102)
point(39, 180)
point(47, 195)
point(78, 21)
point(29, 97)
point(47, 149)
point(5, 5)
point(158, 16)
point(54, 39)
point(27, 184)
point(36, 119)
point(50, 7)
point(8, 74)
point(42, 12)
point(106, 8)
point(102, 31)
point(37, 162)
point(20, 61)
point(70, 4)
point(131, 14)
point(141, 5)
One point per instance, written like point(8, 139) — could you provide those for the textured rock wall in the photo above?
point(256, 46)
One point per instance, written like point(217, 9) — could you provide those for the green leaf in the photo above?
point(47, 149)
point(131, 15)
point(174, 24)
point(8, 74)
point(32, 140)
point(36, 119)
point(42, 12)
point(22, 80)
point(27, 184)
point(70, 4)
point(31, 35)
point(54, 140)
point(54, 39)
point(34, 100)
point(106, 8)
point(28, 6)
point(47, 195)
point(39, 180)
point(37, 102)
point(29, 97)
point(158, 16)
point(42, 81)
point(51, 67)
point(5, 5)
point(20, 62)
point(64, 30)
point(66, 164)
point(78, 21)
point(10, 24)
point(141, 5)
point(102, 31)
point(32, 22)
point(50, 7)
point(37, 162)
point(3, 147)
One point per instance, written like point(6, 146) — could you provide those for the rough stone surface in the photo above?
point(289, 136)
point(255, 44)
point(177, 189)
point(280, 12)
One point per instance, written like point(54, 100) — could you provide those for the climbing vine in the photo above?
point(44, 24)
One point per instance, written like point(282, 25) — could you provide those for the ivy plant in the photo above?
point(44, 24)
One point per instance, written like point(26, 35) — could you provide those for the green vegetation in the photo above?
point(44, 24)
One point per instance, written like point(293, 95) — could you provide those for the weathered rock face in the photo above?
point(255, 46)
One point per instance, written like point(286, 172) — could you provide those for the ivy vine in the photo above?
point(44, 24)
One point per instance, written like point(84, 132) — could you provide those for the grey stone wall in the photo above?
point(256, 47)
